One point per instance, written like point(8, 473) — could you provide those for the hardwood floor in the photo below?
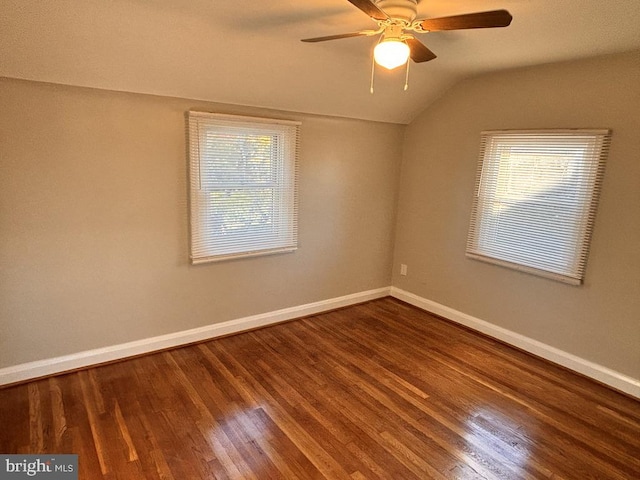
point(378, 390)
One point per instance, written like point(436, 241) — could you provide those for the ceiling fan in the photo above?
point(397, 17)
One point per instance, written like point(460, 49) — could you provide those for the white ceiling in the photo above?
point(249, 52)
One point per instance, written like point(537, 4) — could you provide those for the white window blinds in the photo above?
point(535, 200)
point(243, 178)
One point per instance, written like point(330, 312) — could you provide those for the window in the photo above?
point(535, 200)
point(243, 199)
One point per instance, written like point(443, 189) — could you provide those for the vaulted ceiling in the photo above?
point(249, 52)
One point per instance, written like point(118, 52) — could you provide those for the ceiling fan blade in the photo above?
point(419, 52)
point(334, 37)
point(494, 18)
point(370, 9)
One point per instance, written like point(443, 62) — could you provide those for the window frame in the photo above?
point(584, 197)
point(207, 246)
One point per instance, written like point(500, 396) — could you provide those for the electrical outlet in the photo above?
point(403, 269)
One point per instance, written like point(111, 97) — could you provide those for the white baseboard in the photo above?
point(41, 368)
point(602, 374)
point(52, 366)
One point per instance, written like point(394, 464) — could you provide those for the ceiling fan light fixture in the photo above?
point(391, 53)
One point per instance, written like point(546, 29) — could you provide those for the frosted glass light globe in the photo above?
point(391, 53)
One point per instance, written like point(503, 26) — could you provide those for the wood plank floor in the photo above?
point(378, 390)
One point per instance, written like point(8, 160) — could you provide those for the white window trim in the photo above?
point(601, 139)
point(199, 239)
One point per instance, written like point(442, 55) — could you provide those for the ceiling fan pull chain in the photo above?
point(406, 78)
point(373, 72)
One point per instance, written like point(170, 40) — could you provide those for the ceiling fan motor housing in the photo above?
point(406, 10)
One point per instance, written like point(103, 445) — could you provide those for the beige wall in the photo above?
point(93, 216)
point(599, 321)
point(93, 221)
